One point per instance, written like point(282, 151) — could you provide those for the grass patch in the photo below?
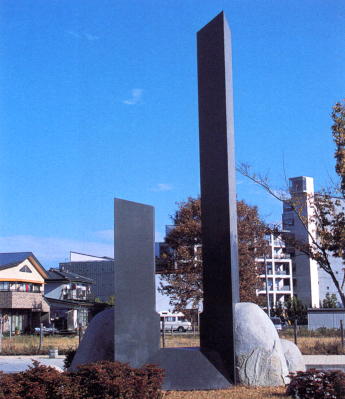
point(239, 392)
point(304, 332)
point(28, 344)
point(308, 345)
point(319, 345)
point(181, 340)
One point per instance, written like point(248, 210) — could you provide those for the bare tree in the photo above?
point(325, 226)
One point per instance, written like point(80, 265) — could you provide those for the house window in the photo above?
point(35, 288)
point(25, 269)
point(3, 286)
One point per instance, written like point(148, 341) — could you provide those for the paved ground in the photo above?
point(330, 362)
point(13, 364)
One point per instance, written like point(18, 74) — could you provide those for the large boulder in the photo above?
point(293, 356)
point(98, 341)
point(260, 360)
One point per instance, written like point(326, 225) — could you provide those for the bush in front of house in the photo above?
point(101, 380)
point(317, 384)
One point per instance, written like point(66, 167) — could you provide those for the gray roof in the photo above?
point(60, 275)
point(13, 258)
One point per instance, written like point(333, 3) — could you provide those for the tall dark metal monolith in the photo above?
point(218, 192)
point(136, 322)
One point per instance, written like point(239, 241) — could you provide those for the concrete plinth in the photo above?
point(188, 369)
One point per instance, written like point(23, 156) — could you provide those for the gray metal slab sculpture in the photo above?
point(218, 193)
point(214, 366)
point(136, 322)
point(136, 337)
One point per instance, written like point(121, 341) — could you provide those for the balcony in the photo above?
point(281, 256)
point(278, 243)
point(23, 300)
point(76, 295)
point(263, 288)
point(284, 288)
point(282, 273)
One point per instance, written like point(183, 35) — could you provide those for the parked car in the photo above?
point(174, 322)
point(278, 324)
point(46, 330)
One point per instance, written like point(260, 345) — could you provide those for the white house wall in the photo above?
point(14, 273)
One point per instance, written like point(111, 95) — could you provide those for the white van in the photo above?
point(174, 322)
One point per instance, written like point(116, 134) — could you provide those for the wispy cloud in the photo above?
point(52, 250)
point(136, 97)
point(82, 35)
point(90, 37)
point(162, 187)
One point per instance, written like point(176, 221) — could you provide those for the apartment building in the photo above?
point(311, 283)
point(279, 272)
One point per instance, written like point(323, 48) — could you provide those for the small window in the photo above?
point(25, 269)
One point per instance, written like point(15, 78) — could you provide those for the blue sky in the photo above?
point(98, 99)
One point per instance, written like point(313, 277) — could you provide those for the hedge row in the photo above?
point(101, 380)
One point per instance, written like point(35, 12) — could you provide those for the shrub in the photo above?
point(69, 357)
point(38, 382)
point(102, 380)
point(109, 380)
point(317, 384)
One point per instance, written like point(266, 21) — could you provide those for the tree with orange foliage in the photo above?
point(182, 256)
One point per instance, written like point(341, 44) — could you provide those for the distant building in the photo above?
point(69, 297)
point(21, 291)
point(279, 273)
point(325, 318)
point(99, 269)
point(311, 283)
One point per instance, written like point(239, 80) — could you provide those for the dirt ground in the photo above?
point(233, 393)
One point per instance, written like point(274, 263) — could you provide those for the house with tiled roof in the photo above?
point(22, 304)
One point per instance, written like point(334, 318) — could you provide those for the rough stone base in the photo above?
point(293, 356)
point(98, 341)
point(260, 359)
